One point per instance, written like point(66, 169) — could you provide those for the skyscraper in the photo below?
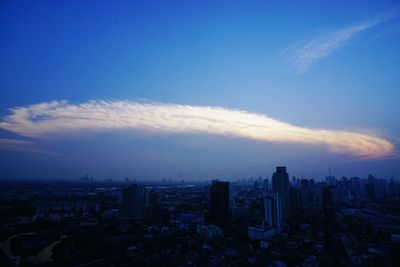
point(327, 197)
point(280, 185)
point(218, 212)
point(133, 202)
point(295, 203)
point(370, 190)
point(151, 207)
point(328, 206)
point(273, 211)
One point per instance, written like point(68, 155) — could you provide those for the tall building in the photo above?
point(370, 190)
point(295, 203)
point(151, 207)
point(311, 183)
point(356, 185)
point(273, 211)
point(328, 203)
point(327, 197)
point(265, 189)
point(218, 211)
point(133, 202)
point(280, 185)
point(305, 184)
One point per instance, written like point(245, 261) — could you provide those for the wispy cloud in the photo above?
point(322, 46)
point(22, 145)
point(59, 117)
point(395, 29)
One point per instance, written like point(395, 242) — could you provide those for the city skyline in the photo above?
point(199, 90)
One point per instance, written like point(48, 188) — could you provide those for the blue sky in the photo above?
point(330, 66)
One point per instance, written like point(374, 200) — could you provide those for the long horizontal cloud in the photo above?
point(321, 46)
point(58, 117)
point(14, 144)
point(22, 145)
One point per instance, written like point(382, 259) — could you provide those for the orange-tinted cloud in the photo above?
point(59, 117)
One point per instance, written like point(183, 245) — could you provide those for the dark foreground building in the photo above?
point(218, 212)
point(133, 202)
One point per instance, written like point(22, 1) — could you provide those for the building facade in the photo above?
point(218, 211)
point(133, 202)
point(280, 185)
point(273, 211)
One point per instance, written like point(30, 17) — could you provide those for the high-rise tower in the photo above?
point(133, 202)
point(280, 185)
point(218, 212)
point(273, 211)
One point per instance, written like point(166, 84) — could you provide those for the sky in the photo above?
point(199, 89)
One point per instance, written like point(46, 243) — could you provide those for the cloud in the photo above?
point(322, 46)
point(395, 29)
point(22, 145)
point(52, 119)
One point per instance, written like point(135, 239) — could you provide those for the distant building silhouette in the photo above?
point(133, 202)
point(311, 183)
point(273, 211)
point(327, 203)
point(370, 190)
point(305, 193)
point(265, 186)
point(327, 197)
point(355, 185)
point(305, 184)
point(295, 203)
point(218, 212)
point(280, 185)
